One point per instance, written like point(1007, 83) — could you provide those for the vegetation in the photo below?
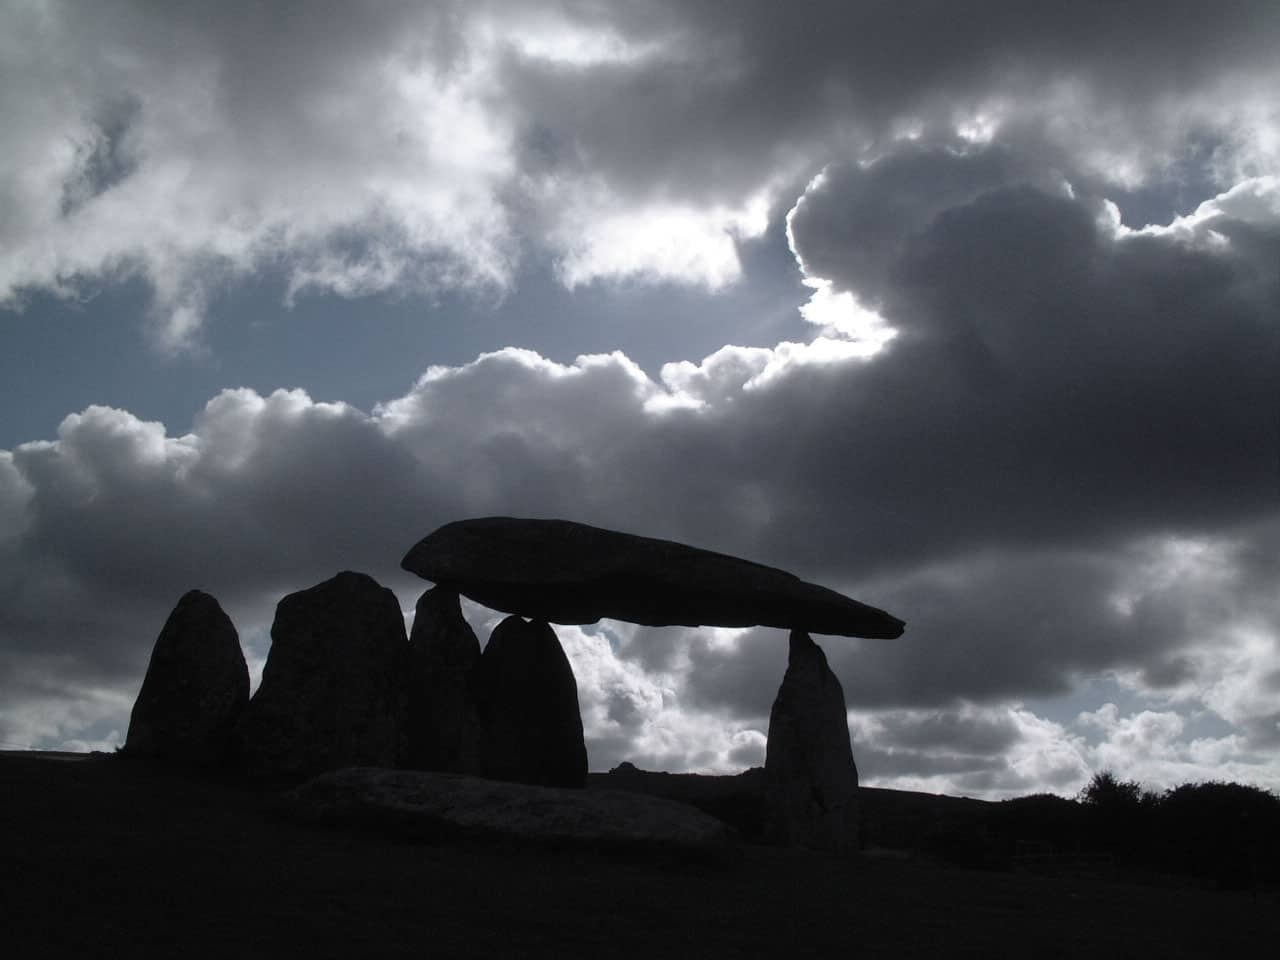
point(104, 858)
point(1225, 835)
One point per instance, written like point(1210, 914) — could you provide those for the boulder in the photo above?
point(195, 689)
point(811, 783)
point(444, 728)
point(417, 806)
point(333, 690)
point(736, 799)
point(566, 572)
point(528, 705)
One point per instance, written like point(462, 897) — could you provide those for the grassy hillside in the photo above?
point(105, 859)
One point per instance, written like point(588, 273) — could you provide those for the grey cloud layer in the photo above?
point(1063, 465)
point(366, 147)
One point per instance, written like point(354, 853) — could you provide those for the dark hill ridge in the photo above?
point(104, 857)
point(897, 819)
point(565, 572)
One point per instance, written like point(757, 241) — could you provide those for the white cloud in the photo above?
point(1153, 748)
point(606, 237)
point(839, 313)
point(373, 150)
point(403, 148)
point(356, 163)
point(992, 751)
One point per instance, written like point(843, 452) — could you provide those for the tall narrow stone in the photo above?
point(811, 783)
point(195, 688)
point(444, 728)
point(528, 702)
point(332, 692)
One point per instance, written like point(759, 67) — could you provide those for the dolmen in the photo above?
point(565, 572)
point(195, 689)
point(332, 692)
point(558, 571)
point(528, 705)
point(343, 687)
point(509, 713)
point(444, 656)
point(811, 782)
point(418, 805)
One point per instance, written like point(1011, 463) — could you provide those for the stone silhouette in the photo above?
point(528, 704)
point(565, 572)
point(444, 728)
point(195, 689)
point(811, 783)
point(422, 805)
point(333, 687)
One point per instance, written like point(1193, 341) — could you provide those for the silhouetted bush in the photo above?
point(1223, 834)
point(1119, 815)
point(1227, 833)
point(1108, 792)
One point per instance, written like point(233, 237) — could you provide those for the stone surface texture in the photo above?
point(444, 727)
point(333, 687)
point(195, 689)
point(528, 704)
point(419, 805)
point(811, 783)
point(565, 572)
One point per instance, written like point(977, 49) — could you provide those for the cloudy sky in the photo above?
point(969, 311)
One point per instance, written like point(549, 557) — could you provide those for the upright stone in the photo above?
point(444, 728)
point(528, 702)
point(195, 689)
point(811, 783)
point(332, 692)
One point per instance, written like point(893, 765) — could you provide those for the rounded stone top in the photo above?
point(567, 572)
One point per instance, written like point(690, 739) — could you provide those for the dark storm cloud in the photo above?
point(107, 158)
point(735, 92)
point(1052, 380)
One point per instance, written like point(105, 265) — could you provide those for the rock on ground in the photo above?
point(444, 728)
point(528, 703)
point(195, 689)
point(566, 572)
point(333, 687)
point(811, 783)
point(422, 805)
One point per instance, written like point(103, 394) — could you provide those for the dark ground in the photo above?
point(102, 859)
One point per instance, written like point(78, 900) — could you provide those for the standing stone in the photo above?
point(195, 689)
point(528, 702)
point(444, 728)
point(332, 692)
point(811, 783)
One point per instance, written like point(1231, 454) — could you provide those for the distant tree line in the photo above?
point(1226, 835)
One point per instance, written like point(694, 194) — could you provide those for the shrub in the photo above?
point(1225, 832)
point(1106, 791)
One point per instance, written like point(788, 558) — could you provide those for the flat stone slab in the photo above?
point(565, 572)
point(417, 805)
